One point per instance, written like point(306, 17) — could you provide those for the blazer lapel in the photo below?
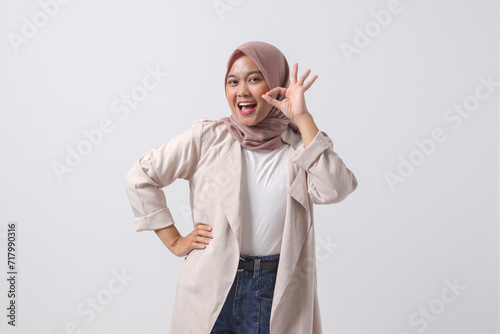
point(297, 182)
point(224, 176)
point(298, 187)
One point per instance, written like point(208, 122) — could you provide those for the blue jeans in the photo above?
point(247, 309)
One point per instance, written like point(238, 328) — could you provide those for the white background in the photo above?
point(384, 254)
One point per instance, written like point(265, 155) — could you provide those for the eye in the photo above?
point(230, 82)
point(256, 79)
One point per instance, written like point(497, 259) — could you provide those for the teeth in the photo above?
point(245, 104)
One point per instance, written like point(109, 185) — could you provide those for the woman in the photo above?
point(249, 263)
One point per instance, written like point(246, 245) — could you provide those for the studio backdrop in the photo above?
point(407, 90)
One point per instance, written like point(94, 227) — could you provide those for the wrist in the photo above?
point(303, 118)
point(307, 127)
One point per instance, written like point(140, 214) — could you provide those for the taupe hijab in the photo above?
point(267, 133)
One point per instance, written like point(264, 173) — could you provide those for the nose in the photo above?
point(243, 89)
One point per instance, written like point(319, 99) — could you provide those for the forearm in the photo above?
point(307, 127)
point(169, 236)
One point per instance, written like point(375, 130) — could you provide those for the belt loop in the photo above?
point(256, 268)
point(241, 260)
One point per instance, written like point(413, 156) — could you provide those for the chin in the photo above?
point(247, 122)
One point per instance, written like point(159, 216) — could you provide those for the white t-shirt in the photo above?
point(264, 193)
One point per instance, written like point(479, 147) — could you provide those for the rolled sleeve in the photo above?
point(157, 220)
point(305, 157)
point(328, 179)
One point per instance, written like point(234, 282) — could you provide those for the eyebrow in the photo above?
point(248, 74)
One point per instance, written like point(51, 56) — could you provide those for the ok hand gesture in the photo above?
point(294, 104)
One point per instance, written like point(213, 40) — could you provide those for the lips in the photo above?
point(246, 107)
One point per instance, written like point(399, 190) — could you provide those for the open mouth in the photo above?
point(246, 107)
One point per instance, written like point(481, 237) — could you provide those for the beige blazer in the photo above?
point(210, 159)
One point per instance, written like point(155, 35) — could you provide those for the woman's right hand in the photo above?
point(198, 238)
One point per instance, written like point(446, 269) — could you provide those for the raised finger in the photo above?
point(310, 82)
point(293, 77)
point(303, 77)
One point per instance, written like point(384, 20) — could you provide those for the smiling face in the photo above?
point(245, 84)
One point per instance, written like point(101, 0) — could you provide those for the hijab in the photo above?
point(267, 133)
